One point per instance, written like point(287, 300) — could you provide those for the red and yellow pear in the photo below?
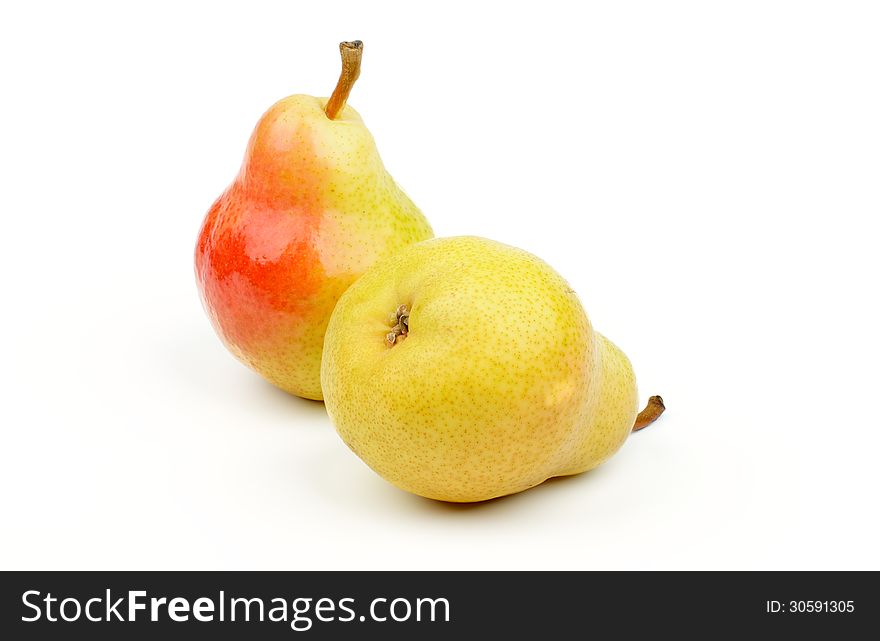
point(310, 210)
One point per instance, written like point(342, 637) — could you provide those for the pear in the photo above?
point(462, 369)
point(311, 208)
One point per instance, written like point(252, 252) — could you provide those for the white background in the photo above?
point(704, 174)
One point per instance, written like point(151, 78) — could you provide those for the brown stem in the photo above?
point(651, 413)
point(351, 53)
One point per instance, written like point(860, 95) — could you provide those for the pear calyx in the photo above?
point(351, 53)
point(400, 318)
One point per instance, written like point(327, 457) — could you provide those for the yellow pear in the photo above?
point(462, 369)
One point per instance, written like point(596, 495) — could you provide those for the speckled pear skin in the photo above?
point(500, 383)
point(310, 210)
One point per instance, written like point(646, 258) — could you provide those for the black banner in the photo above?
point(431, 605)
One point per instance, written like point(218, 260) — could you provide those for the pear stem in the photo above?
point(651, 413)
point(351, 53)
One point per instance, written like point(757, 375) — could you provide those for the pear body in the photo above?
point(310, 210)
point(499, 384)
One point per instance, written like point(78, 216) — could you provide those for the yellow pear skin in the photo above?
point(462, 369)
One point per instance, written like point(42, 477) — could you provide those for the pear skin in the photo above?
point(310, 210)
point(462, 369)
